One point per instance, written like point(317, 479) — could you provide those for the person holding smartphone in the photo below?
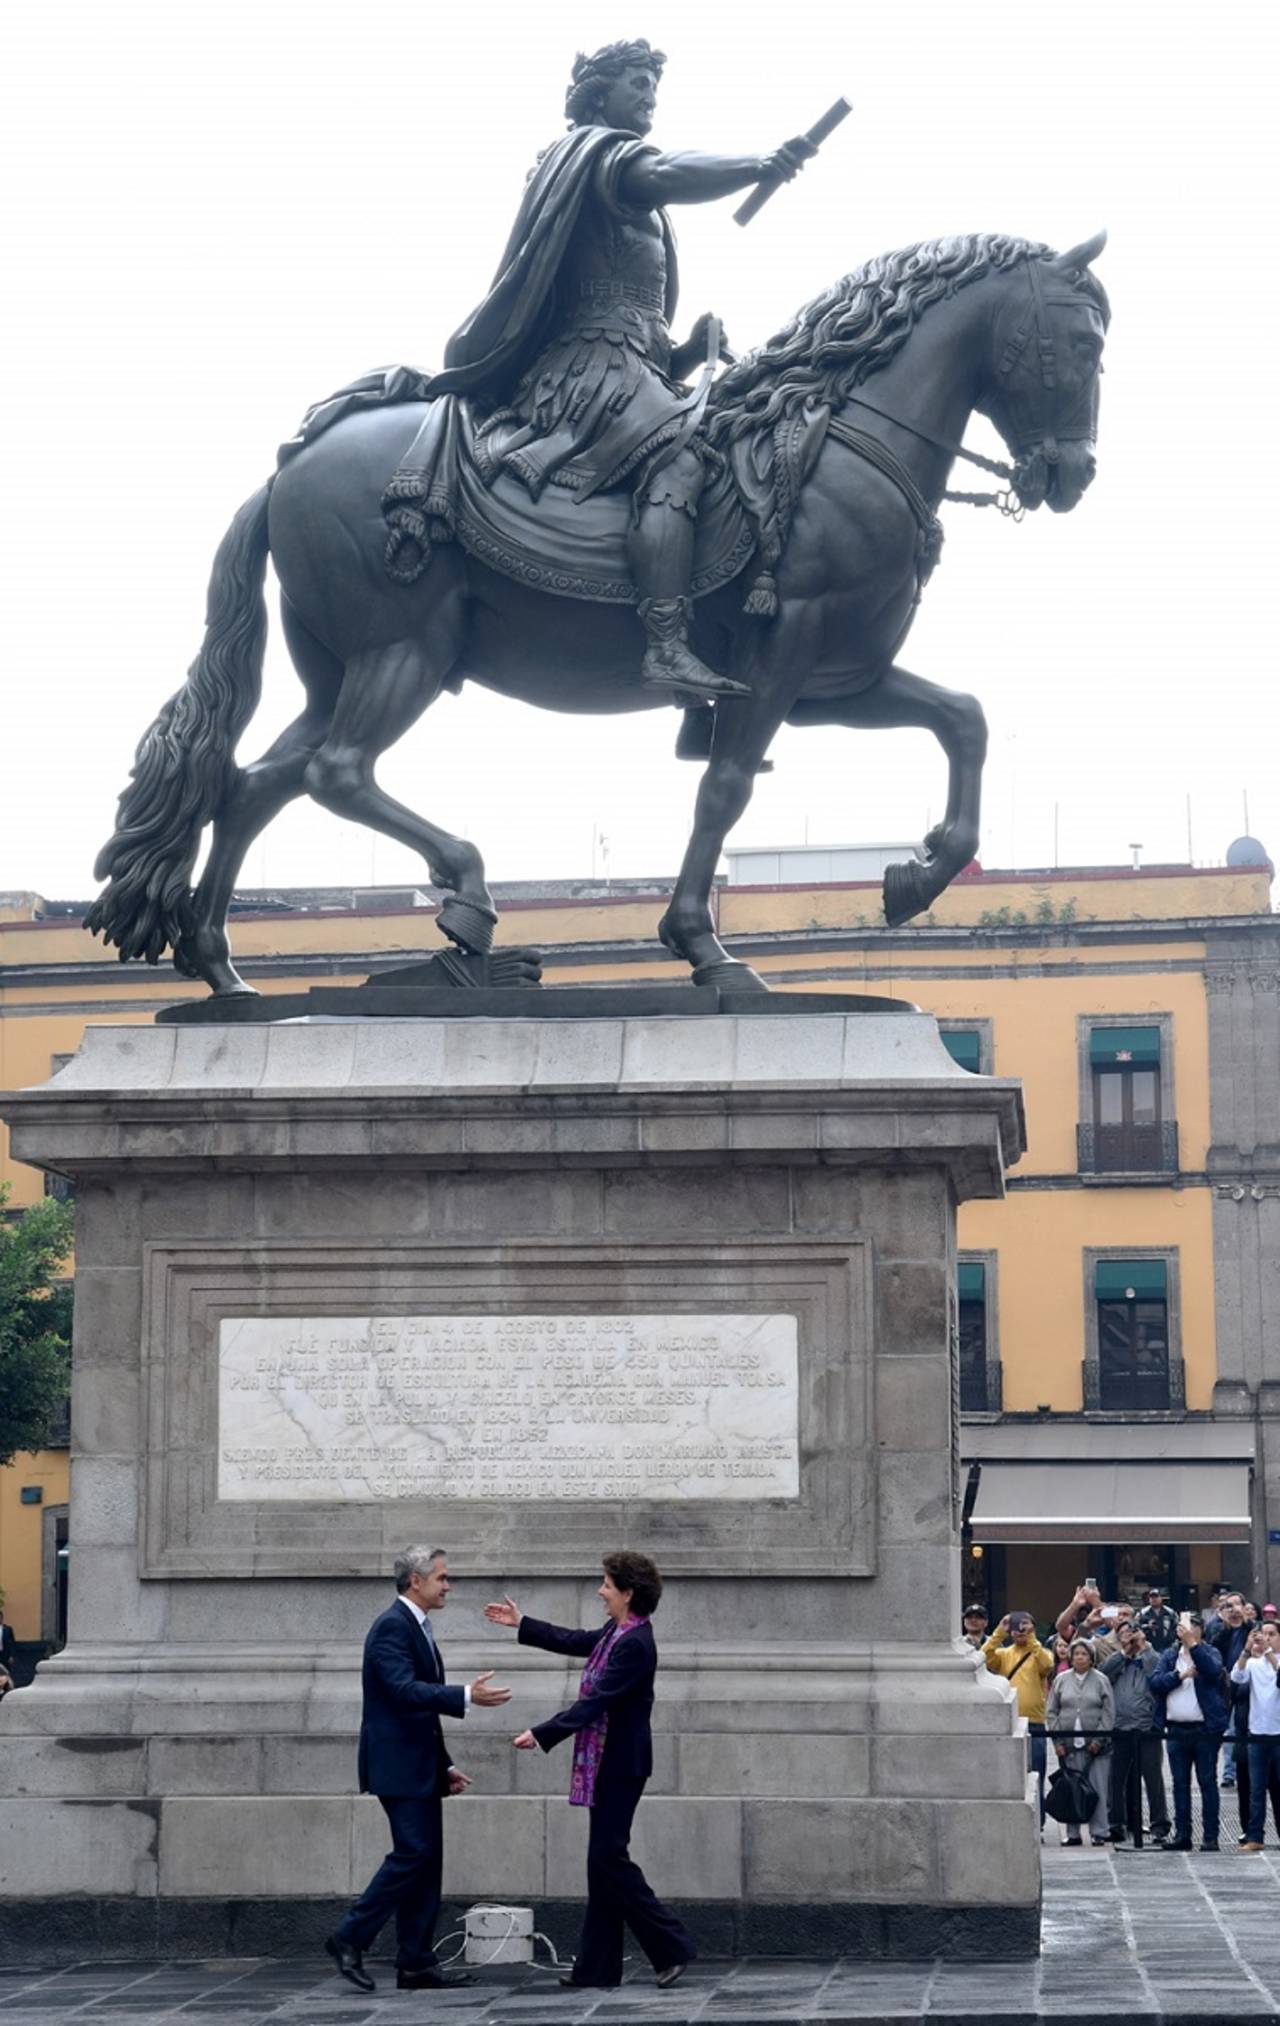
point(1191, 1679)
point(1014, 1651)
point(1256, 1676)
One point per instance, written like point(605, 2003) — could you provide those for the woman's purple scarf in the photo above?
point(588, 1743)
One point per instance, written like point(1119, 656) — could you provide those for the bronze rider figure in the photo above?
point(574, 337)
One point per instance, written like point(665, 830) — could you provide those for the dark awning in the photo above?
point(1171, 1502)
point(1130, 1280)
point(1109, 1045)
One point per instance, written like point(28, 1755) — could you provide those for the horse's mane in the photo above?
point(852, 330)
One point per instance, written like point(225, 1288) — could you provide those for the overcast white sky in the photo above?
point(219, 210)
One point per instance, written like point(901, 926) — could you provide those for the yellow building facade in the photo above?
point(1119, 1309)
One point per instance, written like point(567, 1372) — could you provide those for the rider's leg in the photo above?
point(660, 554)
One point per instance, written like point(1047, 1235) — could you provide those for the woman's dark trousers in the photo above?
point(619, 1896)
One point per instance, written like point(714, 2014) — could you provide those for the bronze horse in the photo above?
point(892, 360)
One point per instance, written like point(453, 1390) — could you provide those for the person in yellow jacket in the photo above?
point(1028, 1665)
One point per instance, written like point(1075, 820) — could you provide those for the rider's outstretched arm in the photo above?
point(657, 180)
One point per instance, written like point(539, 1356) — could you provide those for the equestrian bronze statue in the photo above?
point(564, 515)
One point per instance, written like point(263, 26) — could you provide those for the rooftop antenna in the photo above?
point(1191, 857)
point(1136, 849)
point(1055, 836)
point(1244, 797)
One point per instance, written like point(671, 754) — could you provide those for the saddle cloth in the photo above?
point(554, 543)
point(578, 550)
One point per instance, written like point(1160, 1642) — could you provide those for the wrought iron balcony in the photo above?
point(1128, 1150)
point(1163, 1391)
point(982, 1387)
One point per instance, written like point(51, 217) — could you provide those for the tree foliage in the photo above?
point(35, 1324)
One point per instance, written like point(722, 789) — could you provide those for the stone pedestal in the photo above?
point(529, 1290)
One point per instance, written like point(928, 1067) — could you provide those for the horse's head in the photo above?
point(1042, 393)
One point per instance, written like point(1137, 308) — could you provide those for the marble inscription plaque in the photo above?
point(662, 1407)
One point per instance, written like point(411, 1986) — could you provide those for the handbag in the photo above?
point(1070, 1799)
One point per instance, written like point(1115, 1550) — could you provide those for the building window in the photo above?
point(1133, 1366)
point(1126, 1100)
point(968, 1043)
point(979, 1358)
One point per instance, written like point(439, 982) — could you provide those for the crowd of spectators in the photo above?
point(1119, 1691)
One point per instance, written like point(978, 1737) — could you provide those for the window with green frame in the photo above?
point(1132, 1297)
point(971, 1302)
point(964, 1046)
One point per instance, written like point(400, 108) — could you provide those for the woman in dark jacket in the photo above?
point(612, 1760)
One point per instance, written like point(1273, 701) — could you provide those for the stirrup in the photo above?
point(691, 690)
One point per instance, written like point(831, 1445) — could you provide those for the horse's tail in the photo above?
point(185, 764)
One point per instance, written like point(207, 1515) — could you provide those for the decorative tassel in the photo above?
point(440, 531)
point(763, 600)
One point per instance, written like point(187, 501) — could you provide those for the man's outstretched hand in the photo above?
point(788, 160)
point(485, 1697)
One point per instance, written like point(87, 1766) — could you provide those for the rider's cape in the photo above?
point(503, 336)
point(486, 357)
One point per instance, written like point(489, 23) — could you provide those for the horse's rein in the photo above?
point(1006, 502)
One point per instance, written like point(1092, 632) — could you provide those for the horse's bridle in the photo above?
point(1037, 441)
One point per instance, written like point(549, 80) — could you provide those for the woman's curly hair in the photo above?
point(628, 1570)
point(592, 76)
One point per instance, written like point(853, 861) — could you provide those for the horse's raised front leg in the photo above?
point(956, 721)
point(742, 737)
point(384, 691)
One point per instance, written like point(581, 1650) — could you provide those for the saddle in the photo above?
point(450, 486)
point(573, 547)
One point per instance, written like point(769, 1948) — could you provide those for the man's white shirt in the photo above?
point(421, 1617)
point(1264, 1694)
point(1183, 1704)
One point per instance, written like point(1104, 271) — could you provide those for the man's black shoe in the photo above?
point(1210, 1843)
point(350, 1963)
point(1175, 1844)
point(433, 1980)
point(579, 1984)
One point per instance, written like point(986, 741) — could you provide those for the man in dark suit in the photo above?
point(404, 1762)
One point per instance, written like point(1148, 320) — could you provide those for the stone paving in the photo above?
point(1171, 1938)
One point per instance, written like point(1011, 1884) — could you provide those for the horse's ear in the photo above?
point(1080, 256)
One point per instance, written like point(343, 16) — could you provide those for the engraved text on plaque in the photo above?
point(559, 1407)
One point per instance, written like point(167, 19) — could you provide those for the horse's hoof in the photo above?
point(467, 924)
point(214, 968)
point(729, 976)
point(906, 892)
